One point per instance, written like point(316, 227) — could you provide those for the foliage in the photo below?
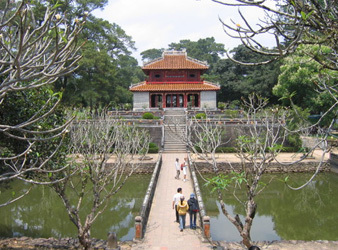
point(298, 82)
point(148, 116)
point(231, 113)
point(204, 49)
point(153, 148)
point(222, 182)
point(221, 105)
point(107, 69)
point(239, 81)
point(201, 116)
point(226, 150)
point(38, 45)
point(151, 54)
point(15, 109)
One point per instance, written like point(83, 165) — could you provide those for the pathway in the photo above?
point(162, 231)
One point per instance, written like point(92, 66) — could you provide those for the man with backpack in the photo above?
point(193, 209)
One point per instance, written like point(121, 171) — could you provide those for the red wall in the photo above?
point(174, 76)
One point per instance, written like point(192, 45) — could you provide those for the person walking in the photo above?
point(193, 209)
point(185, 166)
point(177, 165)
point(182, 209)
point(176, 200)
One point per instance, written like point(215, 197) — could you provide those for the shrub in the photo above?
point(200, 116)
point(153, 148)
point(219, 149)
point(226, 150)
point(290, 149)
point(148, 115)
point(231, 113)
point(221, 105)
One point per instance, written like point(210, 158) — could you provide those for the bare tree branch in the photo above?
point(102, 150)
point(34, 54)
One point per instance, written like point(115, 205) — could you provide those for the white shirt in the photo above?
point(185, 167)
point(177, 164)
point(177, 198)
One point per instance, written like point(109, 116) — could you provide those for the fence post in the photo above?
point(206, 226)
point(112, 242)
point(138, 228)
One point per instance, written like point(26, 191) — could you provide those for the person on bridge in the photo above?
point(176, 200)
point(177, 165)
point(193, 209)
point(182, 209)
point(185, 166)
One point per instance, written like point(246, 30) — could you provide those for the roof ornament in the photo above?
point(182, 52)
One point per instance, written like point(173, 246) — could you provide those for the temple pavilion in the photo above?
point(174, 81)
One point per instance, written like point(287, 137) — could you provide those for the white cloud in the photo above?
point(157, 23)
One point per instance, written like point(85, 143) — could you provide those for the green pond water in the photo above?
point(282, 214)
point(42, 214)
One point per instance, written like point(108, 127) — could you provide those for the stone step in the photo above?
point(175, 146)
point(175, 149)
point(174, 129)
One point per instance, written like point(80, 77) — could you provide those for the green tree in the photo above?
point(35, 50)
point(151, 54)
point(107, 69)
point(299, 81)
point(103, 76)
point(204, 49)
point(239, 81)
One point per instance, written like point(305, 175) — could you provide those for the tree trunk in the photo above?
point(250, 214)
point(84, 238)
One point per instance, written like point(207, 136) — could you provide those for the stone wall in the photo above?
point(140, 100)
point(301, 167)
point(208, 100)
point(155, 132)
point(142, 219)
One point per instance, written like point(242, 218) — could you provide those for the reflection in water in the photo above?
point(308, 214)
point(42, 214)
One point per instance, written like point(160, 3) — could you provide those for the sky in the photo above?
point(157, 23)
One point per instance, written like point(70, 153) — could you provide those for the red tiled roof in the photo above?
point(175, 60)
point(144, 87)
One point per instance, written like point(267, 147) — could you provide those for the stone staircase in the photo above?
point(174, 130)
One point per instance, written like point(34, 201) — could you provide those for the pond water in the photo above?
point(282, 214)
point(42, 214)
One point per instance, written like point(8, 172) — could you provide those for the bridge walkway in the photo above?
point(162, 231)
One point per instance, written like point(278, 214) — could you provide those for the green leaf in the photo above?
point(64, 39)
point(56, 5)
point(303, 15)
point(286, 179)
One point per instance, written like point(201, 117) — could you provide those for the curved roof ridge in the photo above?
point(205, 63)
point(172, 59)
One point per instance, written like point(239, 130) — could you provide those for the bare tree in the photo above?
point(101, 150)
point(203, 137)
point(290, 23)
point(33, 54)
point(262, 135)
